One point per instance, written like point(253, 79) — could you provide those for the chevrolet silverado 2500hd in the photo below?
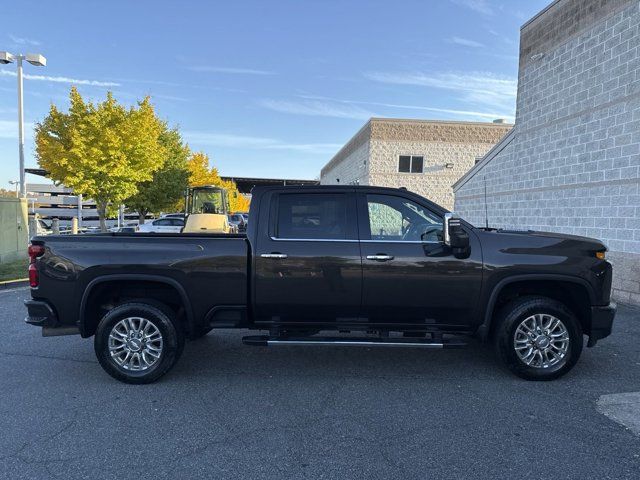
point(346, 265)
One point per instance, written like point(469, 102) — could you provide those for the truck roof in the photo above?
point(260, 190)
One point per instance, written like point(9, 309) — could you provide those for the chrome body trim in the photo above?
point(348, 240)
point(274, 255)
point(355, 343)
point(380, 258)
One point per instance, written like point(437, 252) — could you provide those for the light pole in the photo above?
point(39, 61)
point(16, 183)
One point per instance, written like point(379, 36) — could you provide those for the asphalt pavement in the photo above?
point(233, 411)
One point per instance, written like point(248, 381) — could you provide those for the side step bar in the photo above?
point(264, 341)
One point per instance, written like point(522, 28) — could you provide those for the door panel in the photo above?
point(409, 275)
point(308, 269)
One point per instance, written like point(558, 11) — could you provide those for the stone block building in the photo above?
point(572, 162)
point(425, 156)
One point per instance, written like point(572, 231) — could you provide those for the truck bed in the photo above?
point(210, 269)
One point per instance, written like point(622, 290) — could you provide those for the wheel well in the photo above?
point(109, 294)
point(573, 295)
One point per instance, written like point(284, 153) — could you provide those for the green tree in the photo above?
point(167, 187)
point(103, 151)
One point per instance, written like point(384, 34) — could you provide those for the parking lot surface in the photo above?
point(233, 411)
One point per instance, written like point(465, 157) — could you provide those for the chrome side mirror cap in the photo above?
point(451, 221)
point(455, 236)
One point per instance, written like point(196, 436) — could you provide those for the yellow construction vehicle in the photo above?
point(206, 210)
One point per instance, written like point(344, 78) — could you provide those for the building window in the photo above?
point(411, 164)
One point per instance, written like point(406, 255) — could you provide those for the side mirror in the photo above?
point(455, 236)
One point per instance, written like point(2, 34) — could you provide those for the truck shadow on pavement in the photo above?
point(222, 353)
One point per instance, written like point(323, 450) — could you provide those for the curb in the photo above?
point(20, 282)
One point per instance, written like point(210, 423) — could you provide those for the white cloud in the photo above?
point(47, 78)
point(317, 108)
point(228, 140)
point(23, 41)
point(318, 148)
point(230, 70)
point(9, 129)
point(465, 42)
point(468, 114)
point(476, 87)
point(480, 6)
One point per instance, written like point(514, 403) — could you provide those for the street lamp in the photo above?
point(16, 183)
point(39, 61)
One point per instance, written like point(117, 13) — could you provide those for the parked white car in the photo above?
point(162, 225)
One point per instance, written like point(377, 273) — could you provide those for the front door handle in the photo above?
point(380, 257)
point(274, 255)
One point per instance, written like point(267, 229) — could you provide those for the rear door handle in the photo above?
point(380, 258)
point(274, 255)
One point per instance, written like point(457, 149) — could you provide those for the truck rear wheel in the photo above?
point(538, 338)
point(138, 342)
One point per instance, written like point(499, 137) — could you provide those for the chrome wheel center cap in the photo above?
point(134, 344)
point(542, 342)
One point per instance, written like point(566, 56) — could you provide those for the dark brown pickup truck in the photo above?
point(376, 266)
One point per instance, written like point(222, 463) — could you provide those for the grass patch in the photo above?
point(14, 270)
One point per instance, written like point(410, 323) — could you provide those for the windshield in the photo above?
point(207, 201)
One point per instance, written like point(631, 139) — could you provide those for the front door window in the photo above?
point(394, 218)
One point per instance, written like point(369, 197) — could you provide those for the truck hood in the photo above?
point(585, 242)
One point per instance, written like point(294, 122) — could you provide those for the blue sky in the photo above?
point(266, 88)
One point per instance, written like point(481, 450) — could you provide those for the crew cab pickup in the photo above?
point(336, 266)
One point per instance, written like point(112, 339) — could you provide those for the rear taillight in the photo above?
point(34, 279)
point(35, 251)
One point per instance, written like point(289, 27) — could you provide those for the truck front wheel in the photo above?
point(538, 338)
point(138, 342)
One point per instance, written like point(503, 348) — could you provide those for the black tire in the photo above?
point(515, 312)
point(159, 316)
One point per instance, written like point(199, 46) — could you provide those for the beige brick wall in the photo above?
point(353, 169)
point(371, 156)
point(436, 180)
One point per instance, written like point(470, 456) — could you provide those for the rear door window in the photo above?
point(313, 216)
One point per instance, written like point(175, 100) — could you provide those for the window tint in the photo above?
point(417, 164)
point(400, 219)
point(177, 222)
point(404, 165)
point(411, 164)
point(163, 222)
point(321, 216)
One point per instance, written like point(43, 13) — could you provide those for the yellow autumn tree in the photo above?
point(103, 151)
point(200, 173)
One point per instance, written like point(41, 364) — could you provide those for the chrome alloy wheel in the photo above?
point(135, 344)
point(541, 341)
